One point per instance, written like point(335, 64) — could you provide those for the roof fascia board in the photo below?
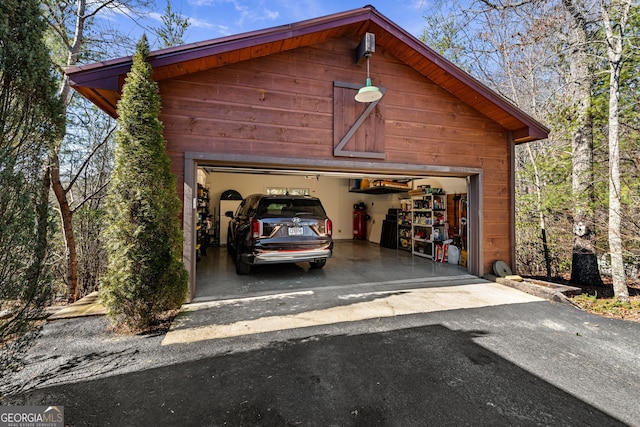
point(106, 77)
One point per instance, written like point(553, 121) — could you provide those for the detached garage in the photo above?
point(276, 110)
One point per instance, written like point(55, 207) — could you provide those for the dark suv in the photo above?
point(279, 229)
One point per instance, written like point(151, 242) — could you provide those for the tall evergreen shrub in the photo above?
point(145, 275)
point(31, 119)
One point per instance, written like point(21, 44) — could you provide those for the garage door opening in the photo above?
point(386, 228)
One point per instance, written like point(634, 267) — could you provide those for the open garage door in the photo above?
point(386, 228)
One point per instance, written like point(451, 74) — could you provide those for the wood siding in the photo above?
point(282, 105)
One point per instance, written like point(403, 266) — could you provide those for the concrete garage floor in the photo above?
point(354, 262)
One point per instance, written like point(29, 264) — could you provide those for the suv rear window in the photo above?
point(289, 207)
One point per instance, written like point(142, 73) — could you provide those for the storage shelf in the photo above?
point(422, 210)
point(202, 236)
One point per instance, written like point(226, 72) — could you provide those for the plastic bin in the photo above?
point(453, 255)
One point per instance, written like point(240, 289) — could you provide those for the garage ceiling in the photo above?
point(311, 173)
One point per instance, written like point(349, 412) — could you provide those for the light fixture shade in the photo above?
point(368, 93)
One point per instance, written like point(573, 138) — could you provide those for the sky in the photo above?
point(211, 19)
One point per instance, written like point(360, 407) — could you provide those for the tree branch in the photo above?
point(496, 6)
point(90, 197)
point(86, 161)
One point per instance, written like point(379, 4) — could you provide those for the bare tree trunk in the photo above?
point(541, 219)
point(584, 267)
point(66, 213)
point(614, 53)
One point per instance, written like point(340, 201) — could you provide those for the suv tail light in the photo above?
point(328, 227)
point(256, 228)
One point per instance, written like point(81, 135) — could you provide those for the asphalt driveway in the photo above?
point(503, 358)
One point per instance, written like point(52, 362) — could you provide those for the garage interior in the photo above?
point(374, 242)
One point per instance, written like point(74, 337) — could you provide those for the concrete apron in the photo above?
point(219, 319)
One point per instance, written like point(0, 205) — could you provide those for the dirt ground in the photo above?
point(605, 304)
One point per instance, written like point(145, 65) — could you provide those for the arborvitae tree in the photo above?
point(145, 275)
point(30, 119)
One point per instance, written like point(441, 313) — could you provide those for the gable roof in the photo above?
point(101, 82)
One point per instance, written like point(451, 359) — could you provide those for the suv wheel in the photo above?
point(319, 263)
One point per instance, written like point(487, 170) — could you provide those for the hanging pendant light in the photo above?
point(368, 93)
